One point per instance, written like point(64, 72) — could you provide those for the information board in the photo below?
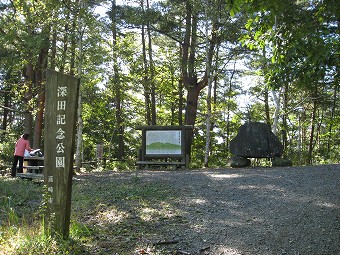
point(164, 142)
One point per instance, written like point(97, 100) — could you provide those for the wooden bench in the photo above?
point(34, 169)
point(31, 176)
point(89, 164)
point(174, 164)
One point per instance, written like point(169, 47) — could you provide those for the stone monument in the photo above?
point(254, 140)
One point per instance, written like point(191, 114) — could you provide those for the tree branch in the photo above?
point(11, 109)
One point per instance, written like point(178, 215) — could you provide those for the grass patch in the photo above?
point(109, 216)
point(127, 211)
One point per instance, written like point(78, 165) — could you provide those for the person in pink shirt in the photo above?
point(21, 145)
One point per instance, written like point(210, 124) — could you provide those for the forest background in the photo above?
point(212, 64)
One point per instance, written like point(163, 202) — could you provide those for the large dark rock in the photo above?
point(256, 140)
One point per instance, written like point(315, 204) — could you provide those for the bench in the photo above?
point(30, 176)
point(34, 169)
point(174, 164)
point(89, 165)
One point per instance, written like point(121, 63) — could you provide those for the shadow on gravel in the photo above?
point(244, 211)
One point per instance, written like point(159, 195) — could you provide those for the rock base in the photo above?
point(238, 161)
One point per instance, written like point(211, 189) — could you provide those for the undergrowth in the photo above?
point(108, 216)
point(21, 225)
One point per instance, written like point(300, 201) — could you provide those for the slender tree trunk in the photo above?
point(266, 105)
point(79, 136)
point(311, 137)
point(230, 88)
point(6, 95)
point(209, 57)
point(118, 89)
point(266, 91)
point(65, 45)
point(119, 119)
point(277, 102)
point(5, 112)
point(318, 145)
point(333, 111)
point(152, 72)
point(74, 43)
point(284, 120)
point(53, 49)
point(79, 114)
point(208, 121)
point(174, 104)
point(146, 85)
point(28, 95)
point(299, 142)
point(180, 103)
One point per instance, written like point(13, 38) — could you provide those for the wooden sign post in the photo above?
point(60, 126)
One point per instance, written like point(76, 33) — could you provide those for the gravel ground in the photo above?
point(293, 210)
point(261, 211)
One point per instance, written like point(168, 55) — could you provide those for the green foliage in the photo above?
point(79, 231)
point(7, 151)
point(234, 6)
point(21, 228)
point(18, 204)
point(293, 45)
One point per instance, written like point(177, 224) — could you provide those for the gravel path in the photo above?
point(263, 211)
point(250, 211)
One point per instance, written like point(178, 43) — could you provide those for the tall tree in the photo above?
point(211, 42)
point(118, 88)
point(28, 28)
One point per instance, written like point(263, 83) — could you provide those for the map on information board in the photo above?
point(163, 142)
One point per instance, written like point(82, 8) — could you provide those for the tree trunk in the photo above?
point(189, 76)
point(6, 97)
point(266, 105)
point(65, 44)
point(28, 95)
point(118, 89)
point(40, 85)
point(333, 111)
point(209, 58)
point(266, 91)
point(311, 137)
point(208, 123)
point(73, 45)
point(146, 85)
point(190, 113)
point(284, 120)
point(79, 114)
point(152, 72)
point(6, 111)
point(228, 108)
point(146, 78)
point(53, 49)
point(79, 135)
point(180, 103)
point(174, 104)
point(277, 102)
